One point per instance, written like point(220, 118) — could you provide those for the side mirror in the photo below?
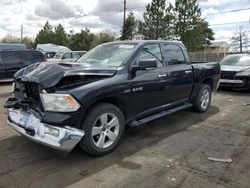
point(144, 65)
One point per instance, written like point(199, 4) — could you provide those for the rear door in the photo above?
point(13, 62)
point(180, 73)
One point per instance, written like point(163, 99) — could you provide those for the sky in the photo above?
point(106, 15)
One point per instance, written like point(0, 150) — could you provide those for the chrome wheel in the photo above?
point(205, 99)
point(105, 130)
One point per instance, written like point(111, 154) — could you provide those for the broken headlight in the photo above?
point(59, 102)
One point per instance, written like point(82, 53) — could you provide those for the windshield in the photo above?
point(236, 61)
point(113, 54)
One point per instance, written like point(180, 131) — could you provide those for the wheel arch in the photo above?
point(208, 81)
point(111, 100)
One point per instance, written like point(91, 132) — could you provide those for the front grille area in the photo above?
point(26, 91)
point(32, 90)
point(230, 75)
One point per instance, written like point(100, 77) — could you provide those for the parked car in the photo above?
point(115, 85)
point(67, 56)
point(13, 60)
point(235, 71)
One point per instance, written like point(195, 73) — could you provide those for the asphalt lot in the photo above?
point(5, 88)
point(169, 152)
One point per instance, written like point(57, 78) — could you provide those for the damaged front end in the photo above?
point(235, 77)
point(63, 139)
point(49, 122)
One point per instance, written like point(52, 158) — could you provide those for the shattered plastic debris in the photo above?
point(220, 160)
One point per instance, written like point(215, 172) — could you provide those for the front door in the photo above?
point(146, 90)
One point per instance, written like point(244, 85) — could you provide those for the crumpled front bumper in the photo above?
point(63, 139)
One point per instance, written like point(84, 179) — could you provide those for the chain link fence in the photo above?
point(206, 57)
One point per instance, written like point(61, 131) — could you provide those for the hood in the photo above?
point(234, 68)
point(49, 74)
point(54, 60)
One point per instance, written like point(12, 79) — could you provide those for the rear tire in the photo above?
point(202, 101)
point(104, 127)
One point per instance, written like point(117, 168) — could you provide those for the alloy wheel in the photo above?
point(205, 99)
point(105, 130)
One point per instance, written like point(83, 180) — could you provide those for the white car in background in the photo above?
point(67, 56)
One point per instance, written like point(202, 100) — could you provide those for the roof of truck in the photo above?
point(147, 41)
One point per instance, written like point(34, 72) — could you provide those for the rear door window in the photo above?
point(174, 54)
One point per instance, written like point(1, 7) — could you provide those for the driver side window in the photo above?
point(150, 51)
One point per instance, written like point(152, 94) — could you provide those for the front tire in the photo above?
point(104, 127)
point(202, 101)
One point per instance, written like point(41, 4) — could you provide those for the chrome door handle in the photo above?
point(188, 71)
point(162, 75)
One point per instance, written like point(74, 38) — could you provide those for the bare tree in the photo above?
point(240, 40)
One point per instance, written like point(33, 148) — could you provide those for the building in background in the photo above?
point(218, 47)
point(213, 52)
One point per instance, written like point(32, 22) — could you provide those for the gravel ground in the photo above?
point(169, 152)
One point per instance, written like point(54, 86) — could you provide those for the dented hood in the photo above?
point(49, 74)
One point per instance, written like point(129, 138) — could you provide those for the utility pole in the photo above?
point(205, 50)
point(240, 39)
point(124, 12)
point(21, 33)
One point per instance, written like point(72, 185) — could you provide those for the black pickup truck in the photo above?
point(118, 84)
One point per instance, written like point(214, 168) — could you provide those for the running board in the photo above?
point(159, 115)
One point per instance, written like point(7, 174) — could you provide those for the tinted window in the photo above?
point(33, 56)
point(174, 54)
point(11, 56)
point(150, 51)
